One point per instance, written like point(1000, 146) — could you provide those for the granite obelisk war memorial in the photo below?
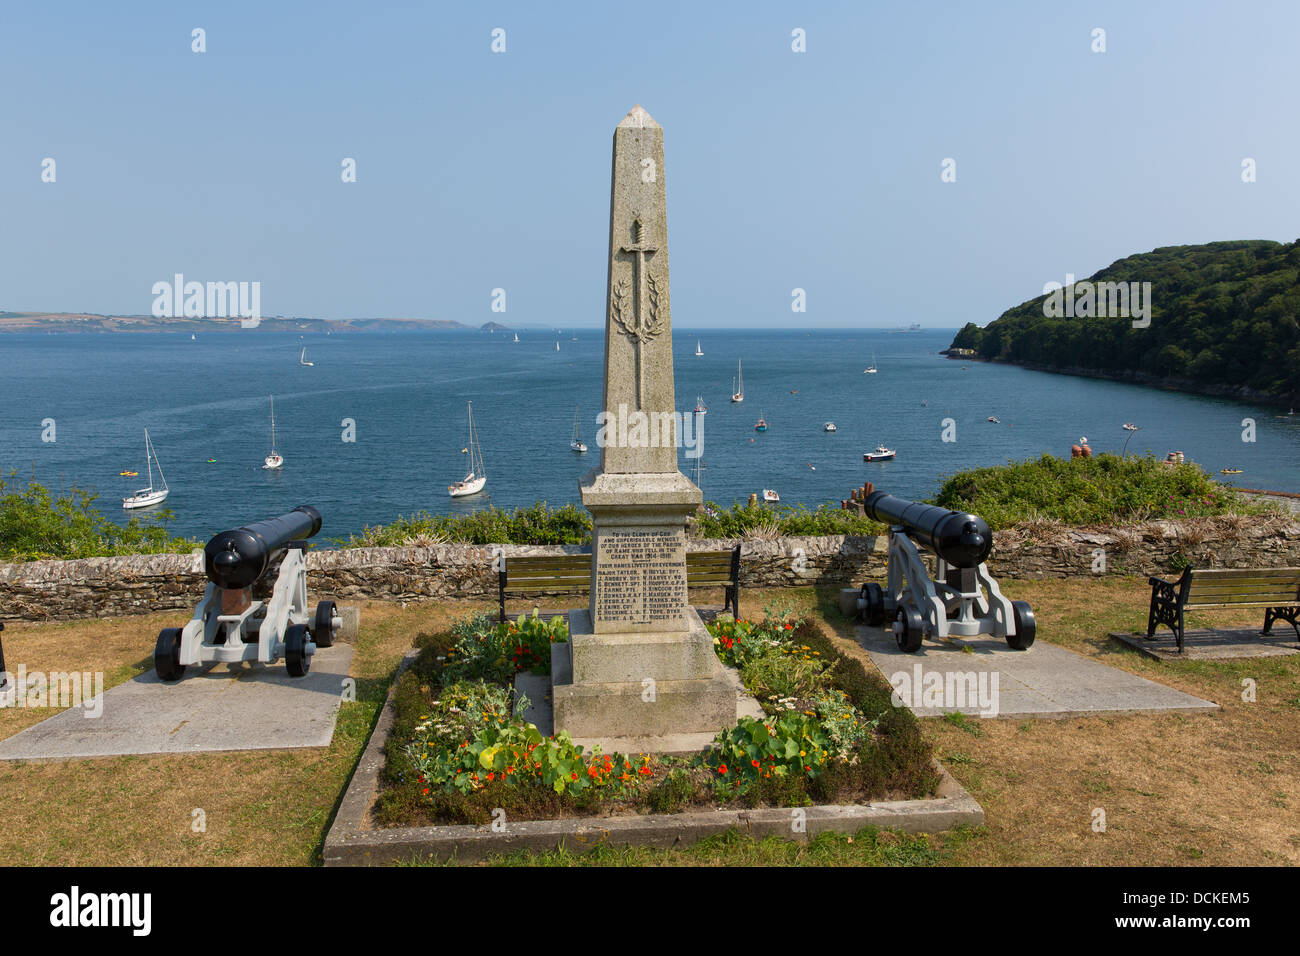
point(641, 674)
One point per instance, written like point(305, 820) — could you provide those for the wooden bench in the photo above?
point(552, 573)
point(1277, 590)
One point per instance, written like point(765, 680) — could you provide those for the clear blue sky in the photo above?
point(477, 170)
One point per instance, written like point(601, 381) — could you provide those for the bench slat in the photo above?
point(1243, 587)
point(1256, 594)
point(1227, 600)
point(1210, 574)
point(1195, 607)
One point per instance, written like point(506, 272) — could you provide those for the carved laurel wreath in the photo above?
point(625, 316)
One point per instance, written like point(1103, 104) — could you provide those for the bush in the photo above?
point(1105, 489)
point(35, 525)
point(538, 524)
point(742, 521)
point(491, 651)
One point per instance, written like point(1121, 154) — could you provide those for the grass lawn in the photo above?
point(1220, 788)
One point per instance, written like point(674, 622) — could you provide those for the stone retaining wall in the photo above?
point(110, 587)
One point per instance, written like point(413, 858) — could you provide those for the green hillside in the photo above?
point(1223, 315)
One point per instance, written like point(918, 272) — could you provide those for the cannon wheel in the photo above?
point(323, 633)
point(296, 658)
point(875, 610)
point(909, 629)
point(1026, 626)
point(167, 654)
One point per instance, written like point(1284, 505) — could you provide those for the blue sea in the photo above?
point(407, 394)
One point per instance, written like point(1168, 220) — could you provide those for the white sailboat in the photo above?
point(146, 497)
point(275, 459)
point(739, 394)
point(698, 350)
point(557, 346)
point(516, 336)
point(871, 369)
point(302, 359)
point(473, 482)
point(574, 443)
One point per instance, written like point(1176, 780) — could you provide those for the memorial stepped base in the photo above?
point(656, 693)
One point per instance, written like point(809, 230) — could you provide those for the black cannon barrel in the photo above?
point(235, 559)
point(963, 540)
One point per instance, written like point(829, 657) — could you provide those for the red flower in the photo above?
point(754, 762)
point(722, 769)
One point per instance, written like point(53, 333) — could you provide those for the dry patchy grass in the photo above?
point(262, 808)
point(1220, 788)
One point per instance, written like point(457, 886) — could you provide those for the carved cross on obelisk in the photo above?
point(639, 393)
point(643, 325)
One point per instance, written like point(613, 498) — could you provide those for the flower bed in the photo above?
point(460, 750)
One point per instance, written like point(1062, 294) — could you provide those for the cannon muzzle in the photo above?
point(963, 540)
point(236, 559)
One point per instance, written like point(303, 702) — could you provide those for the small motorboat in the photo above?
point(760, 425)
point(769, 494)
point(1130, 427)
point(828, 427)
point(1230, 471)
point(880, 454)
point(994, 420)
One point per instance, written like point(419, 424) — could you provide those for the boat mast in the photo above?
point(148, 458)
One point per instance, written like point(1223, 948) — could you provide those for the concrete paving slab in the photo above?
point(1044, 681)
point(1213, 644)
point(220, 707)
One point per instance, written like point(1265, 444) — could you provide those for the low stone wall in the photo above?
point(111, 587)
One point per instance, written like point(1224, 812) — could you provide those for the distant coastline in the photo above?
point(89, 322)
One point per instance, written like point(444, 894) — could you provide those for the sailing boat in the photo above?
point(698, 350)
point(739, 394)
point(516, 336)
point(557, 346)
point(146, 497)
point(302, 359)
point(871, 369)
point(761, 425)
point(473, 482)
point(576, 445)
point(275, 459)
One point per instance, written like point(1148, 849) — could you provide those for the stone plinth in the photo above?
point(645, 692)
